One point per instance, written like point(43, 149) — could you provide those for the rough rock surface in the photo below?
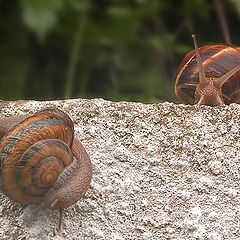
point(160, 171)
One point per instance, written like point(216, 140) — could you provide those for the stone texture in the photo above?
point(160, 171)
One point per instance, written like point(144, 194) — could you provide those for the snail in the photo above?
point(42, 161)
point(209, 75)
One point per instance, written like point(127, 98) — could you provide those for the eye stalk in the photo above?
point(202, 77)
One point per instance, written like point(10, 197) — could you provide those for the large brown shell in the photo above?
point(217, 60)
point(35, 149)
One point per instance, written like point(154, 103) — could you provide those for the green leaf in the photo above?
point(79, 5)
point(119, 11)
point(162, 43)
point(237, 5)
point(41, 16)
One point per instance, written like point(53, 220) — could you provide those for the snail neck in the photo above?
point(209, 93)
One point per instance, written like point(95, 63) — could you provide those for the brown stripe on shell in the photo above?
point(46, 155)
point(19, 139)
point(191, 67)
point(222, 62)
point(61, 115)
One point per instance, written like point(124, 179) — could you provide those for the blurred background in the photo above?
point(115, 49)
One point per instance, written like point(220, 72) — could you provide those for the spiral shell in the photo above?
point(34, 153)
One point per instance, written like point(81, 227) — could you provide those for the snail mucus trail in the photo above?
point(42, 161)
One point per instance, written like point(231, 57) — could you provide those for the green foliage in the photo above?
point(41, 16)
point(119, 50)
point(236, 3)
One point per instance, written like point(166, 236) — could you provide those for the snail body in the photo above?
point(42, 161)
point(209, 75)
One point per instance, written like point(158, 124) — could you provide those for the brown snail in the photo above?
point(209, 75)
point(42, 161)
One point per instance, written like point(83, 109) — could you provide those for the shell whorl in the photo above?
point(34, 153)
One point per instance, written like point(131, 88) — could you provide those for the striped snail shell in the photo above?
point(41, 161)
point(209, 75)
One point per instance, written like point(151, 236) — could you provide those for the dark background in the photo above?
point(115, 49)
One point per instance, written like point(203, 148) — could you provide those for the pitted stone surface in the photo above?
point(160, 171)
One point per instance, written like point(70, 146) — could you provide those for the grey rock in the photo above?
point(160, 171)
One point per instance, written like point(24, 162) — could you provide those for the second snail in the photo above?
point(42, 161)
point(209, 75)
